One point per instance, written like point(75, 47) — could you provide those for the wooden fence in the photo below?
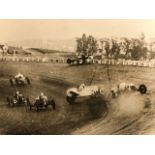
point(141, 63)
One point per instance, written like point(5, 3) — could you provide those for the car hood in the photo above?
point(86, 91)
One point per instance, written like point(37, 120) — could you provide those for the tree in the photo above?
point(139, 49)
point(86, 45)
point(114, 49)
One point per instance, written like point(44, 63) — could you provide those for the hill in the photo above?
point(59, 45)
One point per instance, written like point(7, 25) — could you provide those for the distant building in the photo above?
point(3, 49)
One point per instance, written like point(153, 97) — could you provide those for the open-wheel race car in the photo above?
point(83, 92)
point(20, 79)
point(80, 60)
point(39, 104)
point(124, 87)
point(16, 100)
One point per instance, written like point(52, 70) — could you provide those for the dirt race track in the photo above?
point(130, 113)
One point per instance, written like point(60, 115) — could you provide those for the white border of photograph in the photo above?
point(79, 9)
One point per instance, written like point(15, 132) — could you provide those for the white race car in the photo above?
point(83, 92)
point(123, 87)
point(19, 79)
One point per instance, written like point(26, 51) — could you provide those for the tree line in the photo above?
point(128, 48)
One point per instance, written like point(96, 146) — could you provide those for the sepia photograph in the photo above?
point(77, 77)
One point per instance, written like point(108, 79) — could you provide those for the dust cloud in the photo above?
point(129, 104)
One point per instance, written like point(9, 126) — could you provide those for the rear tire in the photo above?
point(28, 81)
point(11, 102)
point(37, 108)
point(28, 103)
point(69, 61)
point(142, 89)
point(53, 104)
point(101, 90)
point(11, 82)
point(8, 100)
point(16, 80)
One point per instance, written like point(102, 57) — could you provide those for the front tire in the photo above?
point(101, 91)
point(82, 61)
point(70, 99)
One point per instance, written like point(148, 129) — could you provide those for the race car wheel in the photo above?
point(70, 99)
point(8, 100)
point(81, 61)
point(75, 62)
point(53, 104)
point(11, 102)
point(142, 89)
point(11, 82)
point(101, 90)
point(17, 82)
point(69, 61)
point(28, 80)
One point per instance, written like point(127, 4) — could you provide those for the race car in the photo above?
point(18, 99)
point(80, 60)
point(83, 92)
point(41, 102)
point(123, 87)
point(19, 79)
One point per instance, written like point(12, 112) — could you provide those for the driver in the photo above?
point(20, 76)
point(43, 97)
point(18, 95)
point(114, 92)
point(81, 87)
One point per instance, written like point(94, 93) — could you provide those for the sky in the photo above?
point(12, 30)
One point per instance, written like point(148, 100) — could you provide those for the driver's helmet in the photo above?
point(81, 87)
point(42, 94)
point(17, 92)
point(19, 75)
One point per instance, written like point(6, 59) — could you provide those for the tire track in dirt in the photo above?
point(120, 117)
point(62, 121)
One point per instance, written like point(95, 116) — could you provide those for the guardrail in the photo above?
point(140, 63)
point(123, 62)
point(32, 59)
